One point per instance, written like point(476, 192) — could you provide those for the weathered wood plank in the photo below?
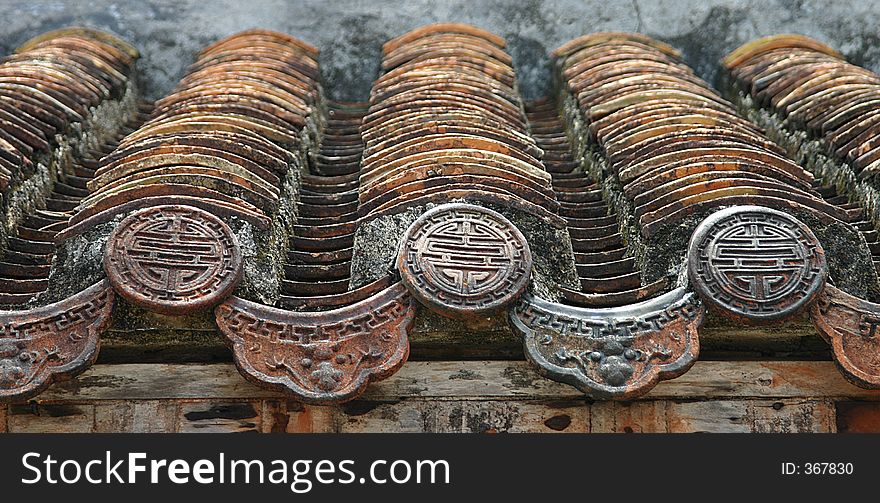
point(464, 416)
point(793, 416)
point(461, 380)
point(153, 381)
point(453, 396)
point(154, 416)
point(114, 417)
point(713, 416)
point(857, 417)
point(718, 416)
point(762, 379)
point(289, 416)
point(450, 416)
point(629, 417)
point(220, 417)
point(495, 416)
point(51, 418)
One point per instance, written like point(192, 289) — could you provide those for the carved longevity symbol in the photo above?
point(618, 352)
point(463, 260)
point(322, 357)
point(51, 343)
point(173, 259)
point(755, 263)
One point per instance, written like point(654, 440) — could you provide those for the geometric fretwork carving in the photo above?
point(616, 353)
point(321, 357)
point(51, 343)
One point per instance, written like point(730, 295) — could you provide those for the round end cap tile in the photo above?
point(756, 264)
point(173, 259)
point(462, 261)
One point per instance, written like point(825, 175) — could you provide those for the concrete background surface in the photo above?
point(350, 32)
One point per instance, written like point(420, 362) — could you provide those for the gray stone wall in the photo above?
point(350, 32)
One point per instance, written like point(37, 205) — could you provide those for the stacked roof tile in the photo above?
point(608, 274)
point(222, 140)
point(53, 84)
point(318, 268)
point(446, 121)
point(674, 144)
